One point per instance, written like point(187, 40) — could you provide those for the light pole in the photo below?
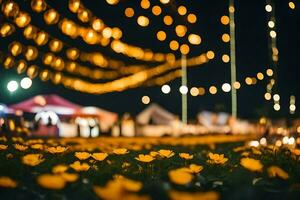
point(232, 59)
point(183, 94)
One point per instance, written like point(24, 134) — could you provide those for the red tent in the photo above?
point(50, 102)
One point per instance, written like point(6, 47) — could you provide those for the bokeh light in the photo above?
point(12, 86)
point(26, 83)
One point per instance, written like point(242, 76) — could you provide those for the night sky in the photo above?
point(251, 45)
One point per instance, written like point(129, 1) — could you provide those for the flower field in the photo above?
point(207, 167)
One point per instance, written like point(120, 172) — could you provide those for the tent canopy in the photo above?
point(50, 102)
point(156, 114)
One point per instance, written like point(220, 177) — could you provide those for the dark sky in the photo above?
point(251, 45)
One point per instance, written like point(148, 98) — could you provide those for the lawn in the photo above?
point(207, 167)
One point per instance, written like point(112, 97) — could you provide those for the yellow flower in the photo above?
point(117, 188)
point(3, 147)
point(77, 166)
point(238, 149)
point(69, 177)
point(120, 151)
point(53, 182)
point(125, 164)
point(99, 156)
point(296, 152)
point(59, 169)
point(215, 158)
point(3, 139)
point(251, 164)
point(245, 154)
point(58, 149)
point(32, 159)
point(256, 151)
point(20, 147)
point(130, 185)
point(9, 156)
point(37, 146)
point(82, 155)
point(275, 171)
point(17, 139)
point(195, 168)
point(154, 153)
point(7, 182)
point(180, 177)
point(186, 156)
point(178, 195)
point(144, 158)
point(166, 153)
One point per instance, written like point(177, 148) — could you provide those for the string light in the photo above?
point(225, 20)
point(213, 90)
point(156, 10)
point(292, 5)
point(226, 87)
point(12, 86)
point(166, 89)
point(129, 12)
point(26, 83)
point(182, 10)
point(194, 39)
point(180, 30)
point(184, 49)
point(6, 29)
point(146, 100)
point(194, 91)
point(145, 4)
point(225, 37)
point(192, 18)
point(161, 35)
point(183, 89)
point(225, 58)
point(164, 1)
point(168, 20)
point(38, 5)
point(174, 45)
point(112, 2)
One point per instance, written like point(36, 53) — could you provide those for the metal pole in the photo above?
point(183, 96)
point(232, 59)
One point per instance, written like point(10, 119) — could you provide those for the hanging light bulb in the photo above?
point(69, 28)
point(10, 9)
point(15, 48)
point(8, 62)
point(83, 15)
point(41, 38)
point(44, 75)
point(48, 58)
point(31, 53)
point(90, 36)
point(97, 24)
point(30, 32)
point(6, 29)
point(38, 5)
point(55, 45)
point(51, 16)
point(32, 71)
point(21, 66)
point(22, 20)
point(74, 5)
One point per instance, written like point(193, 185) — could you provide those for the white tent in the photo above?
point(105, 118)
point(209, 119)
point(156, 114)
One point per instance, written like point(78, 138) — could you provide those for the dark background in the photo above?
point(251, 45)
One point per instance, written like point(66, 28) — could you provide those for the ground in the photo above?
point(207, 167)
